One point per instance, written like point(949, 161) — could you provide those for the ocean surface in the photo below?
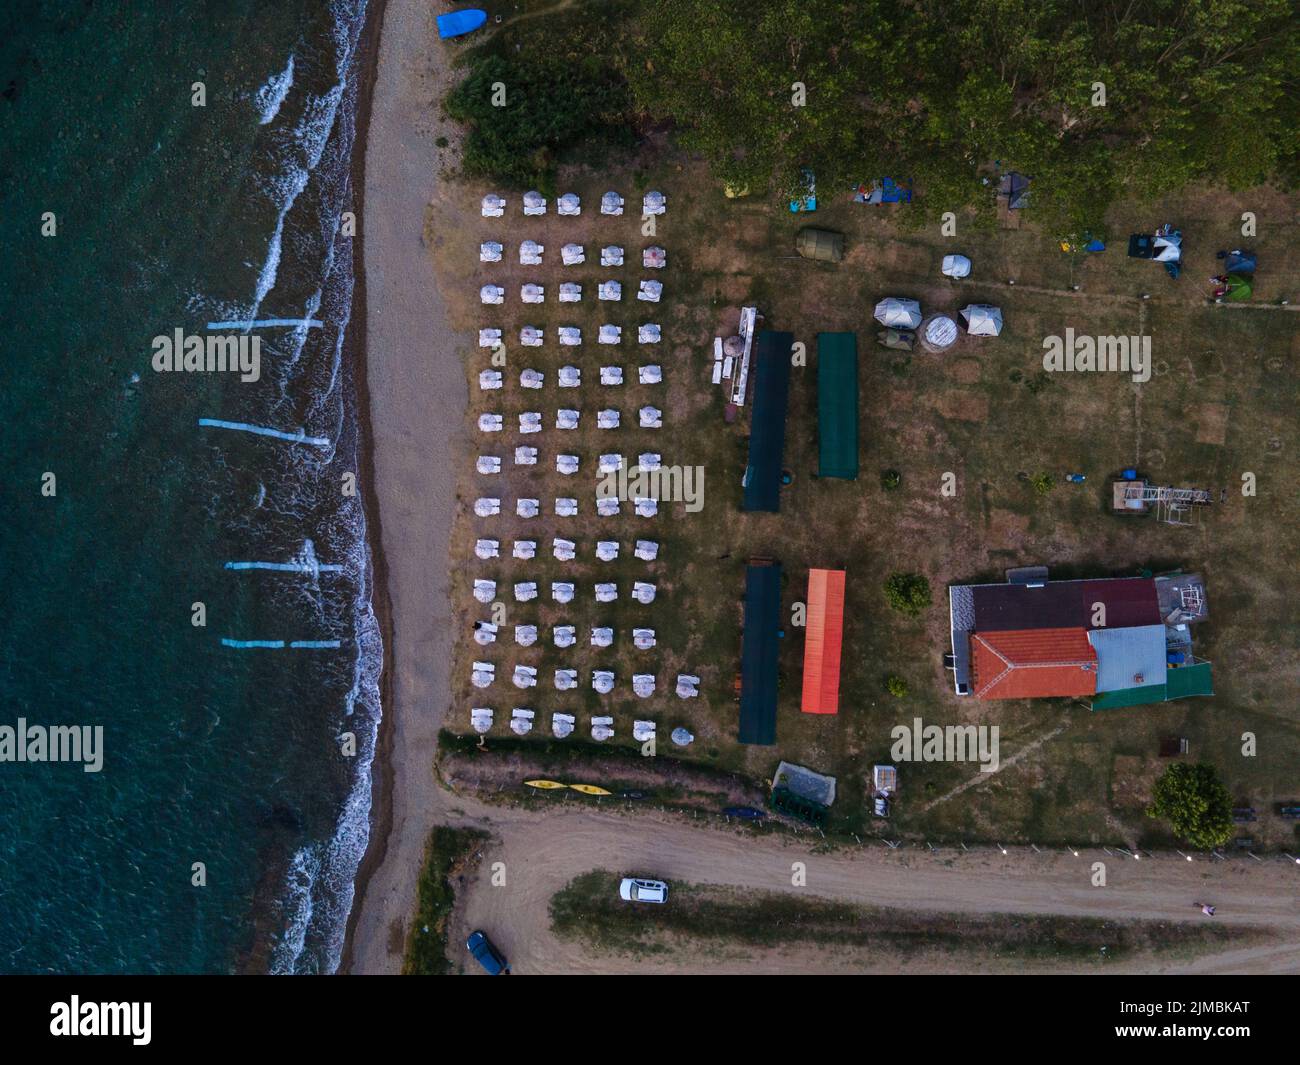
point(166, 216)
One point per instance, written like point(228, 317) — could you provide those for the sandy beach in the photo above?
point(413, 412)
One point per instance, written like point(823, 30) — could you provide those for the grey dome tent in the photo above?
point(898, 314)
point(982, 320)
point(956, 266)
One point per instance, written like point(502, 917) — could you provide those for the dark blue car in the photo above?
point(486, 954)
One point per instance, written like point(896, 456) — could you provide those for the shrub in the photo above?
point(1196, 804)
point(908, 593)
point(555, 103)
point(1043, 483)
point(890, 479)
point(896, 686)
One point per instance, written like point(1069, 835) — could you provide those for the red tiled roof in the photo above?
point(1033, 663)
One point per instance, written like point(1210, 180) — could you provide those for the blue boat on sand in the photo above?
point(457, 23)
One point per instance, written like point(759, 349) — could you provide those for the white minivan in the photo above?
point(634, 890)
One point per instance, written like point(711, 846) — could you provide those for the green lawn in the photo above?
point(1221, 402)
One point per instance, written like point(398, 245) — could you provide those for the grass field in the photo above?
point(725, 921)
point(1221, 403)
point(449, 854)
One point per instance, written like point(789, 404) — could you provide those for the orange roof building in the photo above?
point(823, 641)
point(1033, 663)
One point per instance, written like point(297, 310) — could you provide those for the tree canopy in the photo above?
point(1196, 804)
point(1193, 90)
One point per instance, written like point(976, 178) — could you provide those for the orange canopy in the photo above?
point(822, 644)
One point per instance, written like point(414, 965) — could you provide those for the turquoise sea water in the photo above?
point(170, 216)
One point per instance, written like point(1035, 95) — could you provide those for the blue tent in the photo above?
point(457, 23)
point(1239, 262)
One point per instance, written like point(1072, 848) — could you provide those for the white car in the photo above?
point(633, 890)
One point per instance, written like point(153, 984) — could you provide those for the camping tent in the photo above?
point(1015, 187)
point(1168, 249)
point(1239, 262)
point(982, 320)
point(823, 245)
point(940, 332)
point(898, 314)
point(896, 339)
point(1239, 288)
point(884, 190)
point(837, 405)
point(956, 266)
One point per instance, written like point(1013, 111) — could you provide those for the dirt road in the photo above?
point(542, 852)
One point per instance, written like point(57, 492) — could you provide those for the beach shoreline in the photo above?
point(381, 784)
point(411, 398)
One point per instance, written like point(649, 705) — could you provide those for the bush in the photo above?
point(1196, 804)
point(896, 686)
point(890, 479)
point(563, 93)
point(908, 593)
point(1043, 483)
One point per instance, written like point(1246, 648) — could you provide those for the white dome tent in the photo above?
point(940, 333)
point(982, 320)
point(898, 313)
point(956, 266)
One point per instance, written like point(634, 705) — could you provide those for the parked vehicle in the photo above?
point(486, 954)
point(633, 889)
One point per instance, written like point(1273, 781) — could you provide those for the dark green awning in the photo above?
point(837, 405)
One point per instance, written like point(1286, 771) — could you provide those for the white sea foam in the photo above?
point(297, 902)
point(320, 886)
point(270, 96)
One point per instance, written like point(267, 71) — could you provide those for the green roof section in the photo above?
point(1122, 697)
point(1180, 683)
point(837, 405)
point(1190, 680)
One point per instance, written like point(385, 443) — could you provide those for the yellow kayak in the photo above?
point(589, 789)
point(545, 784)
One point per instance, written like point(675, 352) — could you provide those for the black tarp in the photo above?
point(767, 424)
point(758, 654)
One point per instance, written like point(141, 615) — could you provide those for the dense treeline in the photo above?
point(934, 90)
